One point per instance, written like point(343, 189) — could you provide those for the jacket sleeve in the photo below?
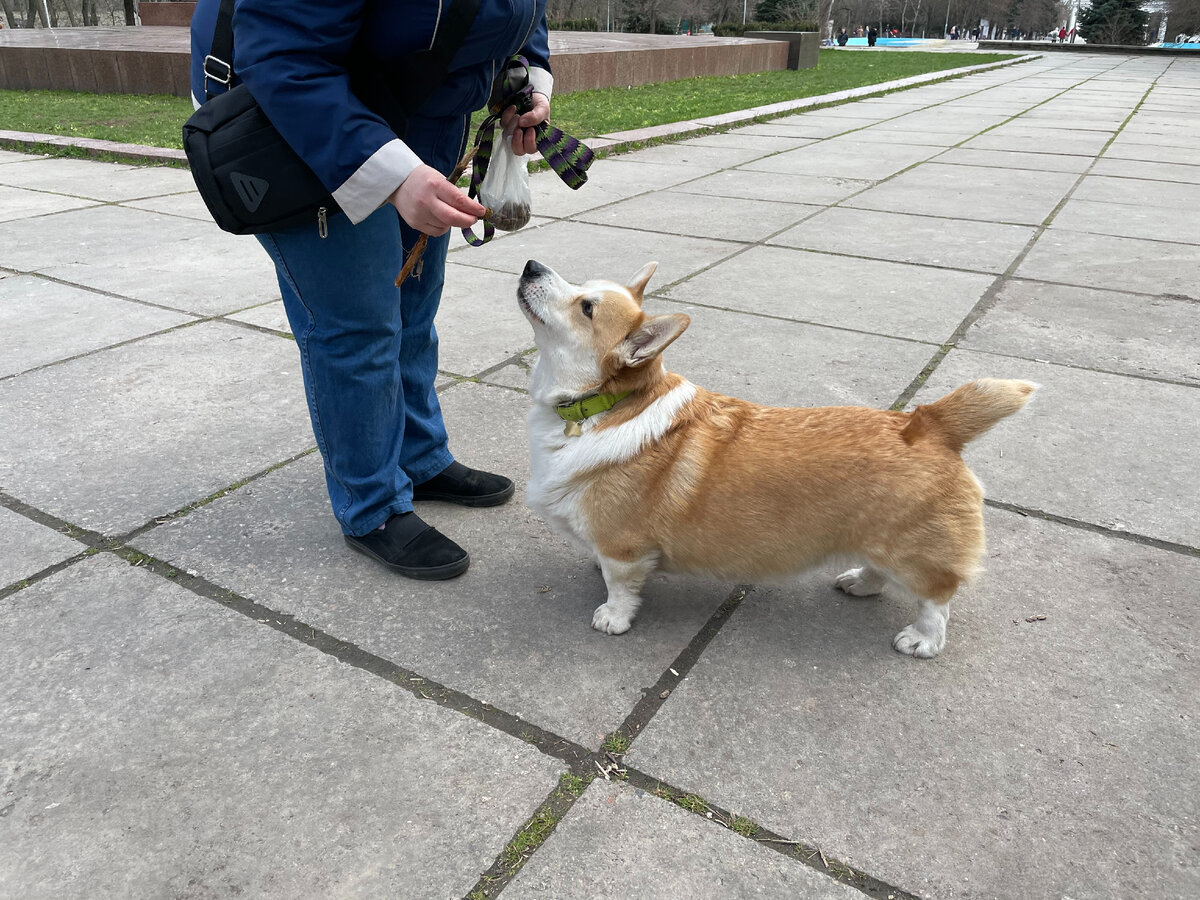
point(293, 57)
point(537, 51)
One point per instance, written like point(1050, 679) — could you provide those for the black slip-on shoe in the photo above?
point(412, 548)
point(466, 487)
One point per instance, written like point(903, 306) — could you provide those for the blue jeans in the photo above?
point(368, 350)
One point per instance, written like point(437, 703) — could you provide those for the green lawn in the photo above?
point(156, 120)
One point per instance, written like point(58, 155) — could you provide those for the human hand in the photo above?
point(524, 138)
point(432, 205)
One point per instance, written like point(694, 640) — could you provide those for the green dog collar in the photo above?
point(587, 407)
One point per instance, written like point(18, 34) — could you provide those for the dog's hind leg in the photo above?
point(864, 582)
point(926, 637)
point(624, 581)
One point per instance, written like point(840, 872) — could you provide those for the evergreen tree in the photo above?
point(1114, 22)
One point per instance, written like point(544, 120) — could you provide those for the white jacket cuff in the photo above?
point(541, 81)
point(376, 180)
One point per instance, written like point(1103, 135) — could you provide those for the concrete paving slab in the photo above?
point(698, 215)
point(1153, 337)
point(1002, 159)
point(579, 251)
point(96, 181)
point(515, 374)
point(1015, 765)
point(1133, 134)
point(844, 159)
point(110, 440)
point(619, 841)
point(1127, 149)
point(880, 135)
point(970, 192)
point(782, 363)
point(1138, 192)
point(18, 203)
point(608, 180)
point(1123, 220)
point(944, 120)
point(1041, 141)
point(27, 548)
point(771, 186)
point(44, 321)
point(809, 125)
point(188, 204)
point(276, 542)
point(478, 323)
point(1188, 173)
point(916, 302)
point(11, 156)
point(710, 158)
point(956, 244)
point(267, 315)
point(168, 260)
point(1119, 263)
point(1074, 119)
point(1112, 450)
point(136, 767)
point(738, 137)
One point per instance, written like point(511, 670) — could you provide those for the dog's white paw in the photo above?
point(609, 620)
point(859, 583)
point(914, 642)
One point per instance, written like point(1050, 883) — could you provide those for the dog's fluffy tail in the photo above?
point(968, 412)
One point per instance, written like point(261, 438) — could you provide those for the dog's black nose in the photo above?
point(534, 268)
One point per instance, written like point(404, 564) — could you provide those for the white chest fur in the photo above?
point(559, 465)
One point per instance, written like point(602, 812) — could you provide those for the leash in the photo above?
point(568, 156)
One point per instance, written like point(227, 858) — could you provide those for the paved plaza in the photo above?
point(206, 694)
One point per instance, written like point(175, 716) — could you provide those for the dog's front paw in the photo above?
point(860, 582)
point(609, 620)
point(914, 642)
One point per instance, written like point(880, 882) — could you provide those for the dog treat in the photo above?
point(510, 216)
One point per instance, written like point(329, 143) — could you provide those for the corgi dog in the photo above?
point(645, 470)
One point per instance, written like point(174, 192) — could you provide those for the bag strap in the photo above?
point(218, 65)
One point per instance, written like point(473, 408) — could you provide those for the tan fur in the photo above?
point(744, 491)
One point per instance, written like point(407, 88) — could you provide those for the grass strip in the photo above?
point(156, 120)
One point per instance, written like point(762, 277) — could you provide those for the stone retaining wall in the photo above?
point(155, 60)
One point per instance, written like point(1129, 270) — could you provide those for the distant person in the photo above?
point(1072, 33)
point(842, 38)
point(872, 36)
point(1062, 35)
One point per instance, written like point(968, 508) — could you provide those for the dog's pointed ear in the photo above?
point(639, 281)
point(651, 338)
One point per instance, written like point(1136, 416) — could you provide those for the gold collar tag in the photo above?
point(572, 429)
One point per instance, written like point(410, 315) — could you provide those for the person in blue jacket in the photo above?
point(368, 350)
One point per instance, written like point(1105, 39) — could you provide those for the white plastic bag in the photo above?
point(505, 186)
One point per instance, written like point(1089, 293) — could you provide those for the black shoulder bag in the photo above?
point(249, 177)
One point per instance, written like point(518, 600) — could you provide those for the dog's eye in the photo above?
point(587, 306)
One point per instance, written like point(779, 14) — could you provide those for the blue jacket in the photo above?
point(294, 55)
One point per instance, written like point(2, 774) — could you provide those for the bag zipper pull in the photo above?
point(322, 223)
